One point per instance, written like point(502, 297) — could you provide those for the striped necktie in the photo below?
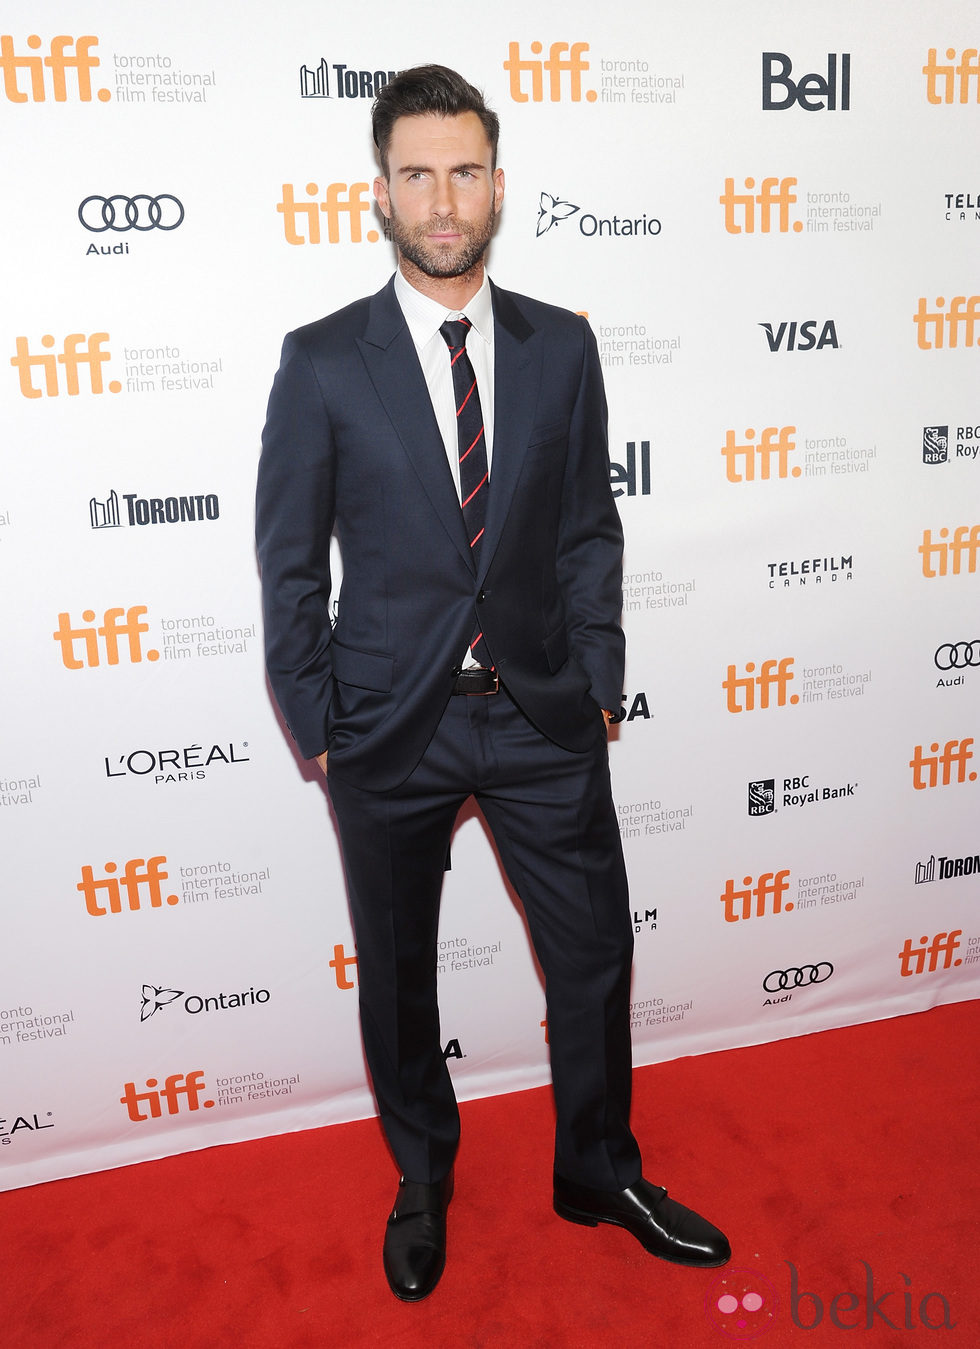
point(473, 471)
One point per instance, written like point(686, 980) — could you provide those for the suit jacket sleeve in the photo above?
point(590, 541)
point(294, 512)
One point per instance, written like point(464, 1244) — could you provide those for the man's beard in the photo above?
point(433, 260)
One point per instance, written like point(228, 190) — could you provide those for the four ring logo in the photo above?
point(778, 980)
point(141, 212)
point(958, 655)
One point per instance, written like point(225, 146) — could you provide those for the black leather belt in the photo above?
point(476, 680)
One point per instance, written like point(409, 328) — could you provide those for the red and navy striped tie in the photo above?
point(473, 471)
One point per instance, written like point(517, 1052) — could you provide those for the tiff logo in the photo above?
point(947, 323)
point(340, 199)
point(139, 874)
point(78, 350)
point(741, 691)
point(58, 62)
point(340, 964)
point(943, 944)
point(563, 59)
point(110, 632)
point(936, 556)
point(776, 443)
point(177, 1086)
point(926, 767)
point(767, 893)
point(941, 81)
point(775, 197)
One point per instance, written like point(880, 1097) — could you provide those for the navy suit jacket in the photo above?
point(351, 446)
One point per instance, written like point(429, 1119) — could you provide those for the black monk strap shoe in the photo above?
point(660, 1224)
point(415, 1239)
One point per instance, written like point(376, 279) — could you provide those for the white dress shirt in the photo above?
point(424, 318)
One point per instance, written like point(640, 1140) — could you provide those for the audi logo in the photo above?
point(958, 655)
point(141, 212)
point(778, 980)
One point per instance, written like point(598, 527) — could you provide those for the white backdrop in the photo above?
point(796, 460)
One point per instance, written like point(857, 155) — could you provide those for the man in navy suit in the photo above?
point(453, 436)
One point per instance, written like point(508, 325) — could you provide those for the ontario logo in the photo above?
point(154, 999)
point(554, 211)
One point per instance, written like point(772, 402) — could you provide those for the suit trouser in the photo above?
point(554, 823)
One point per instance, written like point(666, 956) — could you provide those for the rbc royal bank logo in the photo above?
point(935, 444)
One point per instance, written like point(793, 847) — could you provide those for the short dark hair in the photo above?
point(428, 91)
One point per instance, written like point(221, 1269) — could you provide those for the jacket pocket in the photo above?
point(364, 669)
point(556, 648)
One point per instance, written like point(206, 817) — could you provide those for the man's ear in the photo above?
point(381, 196)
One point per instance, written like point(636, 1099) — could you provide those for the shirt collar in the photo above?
point(426, 316)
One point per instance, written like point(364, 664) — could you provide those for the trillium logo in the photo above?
point(551, 211)
point(154, 998)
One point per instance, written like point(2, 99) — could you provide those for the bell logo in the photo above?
point(812, 93)
point(937, 769)
point(776, 444)
point(58, 62)
point(768, 892)
point(913, 958)
point(951, 83)
point(563, 59)
point(190, 1087)
point(138, 875)
point(963, 313)
point(110, 632)
point(742, 691)
point(622, 477)
point(340, 964)
point(78, 350)
point(936, 555)
point(340, 199)
point(774, 197)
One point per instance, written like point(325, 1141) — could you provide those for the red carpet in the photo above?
point(849, 1156)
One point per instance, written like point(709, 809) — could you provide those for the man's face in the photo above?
point(441, 194)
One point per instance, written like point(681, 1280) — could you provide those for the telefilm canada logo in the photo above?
point(553, 211)
point(335, 80)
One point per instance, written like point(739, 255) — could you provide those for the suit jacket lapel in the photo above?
point(517, 365)
point(393, 365)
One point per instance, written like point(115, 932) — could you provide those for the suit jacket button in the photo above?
point(481, 597)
